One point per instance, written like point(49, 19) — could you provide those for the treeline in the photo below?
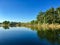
point(11, 24)
point(50, 16)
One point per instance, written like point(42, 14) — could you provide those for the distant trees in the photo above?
point(6, 23)
point(34, 22)
point(50, 16)
point(12, 24)
point(19, 23)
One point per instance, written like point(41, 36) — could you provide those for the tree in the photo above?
point(40, 17)
point(58, 15)
point(13, 24)
point(50, 16)
point(6, 23)
point(32, 22)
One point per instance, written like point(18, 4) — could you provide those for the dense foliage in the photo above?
point(12, 24)
point(50, 16)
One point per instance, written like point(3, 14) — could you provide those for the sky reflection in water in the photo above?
point(27, 36)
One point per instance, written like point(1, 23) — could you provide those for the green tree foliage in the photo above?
point(50, 16)
point(13, 24)
point(40, 17)
point(32, 22)
point(6, 22)
point(58, 17)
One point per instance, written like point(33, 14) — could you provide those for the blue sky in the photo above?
point(24, 10)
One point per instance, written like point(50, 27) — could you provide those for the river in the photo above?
point(28, 36)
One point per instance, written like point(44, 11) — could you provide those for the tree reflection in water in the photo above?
point(52, 35)
point(6, 27)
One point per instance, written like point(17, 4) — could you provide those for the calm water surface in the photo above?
point(28, 36)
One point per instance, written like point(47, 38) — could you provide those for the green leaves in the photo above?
point(6, 22)
point(50, 16)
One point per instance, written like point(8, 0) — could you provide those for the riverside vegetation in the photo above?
point(48, 19)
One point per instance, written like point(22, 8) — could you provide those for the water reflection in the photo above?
point(52, 35)
point(6, 27)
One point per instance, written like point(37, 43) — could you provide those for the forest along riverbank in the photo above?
point(29, 25)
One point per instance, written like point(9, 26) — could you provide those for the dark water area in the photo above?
point(28, 36)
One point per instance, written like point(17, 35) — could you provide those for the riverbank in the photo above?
point(43, 26)
point(39, 26)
